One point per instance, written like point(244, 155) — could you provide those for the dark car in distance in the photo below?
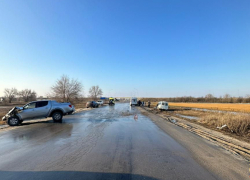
point(92, 104)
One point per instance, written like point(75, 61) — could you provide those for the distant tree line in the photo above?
point(11, 94)
point(65, 89)
point(209, 98)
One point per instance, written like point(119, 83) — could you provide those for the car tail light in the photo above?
point(70, 106)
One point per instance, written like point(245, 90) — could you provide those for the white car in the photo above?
point(133, 101)
point(99, 102)
point(162, 105)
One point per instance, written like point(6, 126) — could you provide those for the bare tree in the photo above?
point(10, 94)
point(95, 92)
point(209, 97)
point(227, 98)
point(247, 98)
point(66, 88)
point(27, 95)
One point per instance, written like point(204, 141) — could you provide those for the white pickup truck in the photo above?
point(37, 110)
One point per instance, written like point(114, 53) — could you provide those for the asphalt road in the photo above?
point(110, 143)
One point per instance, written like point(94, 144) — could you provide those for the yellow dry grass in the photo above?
point(216, 106)
point(153, 104)
point(236, 123)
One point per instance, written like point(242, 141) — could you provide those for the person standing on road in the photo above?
point(149, 104)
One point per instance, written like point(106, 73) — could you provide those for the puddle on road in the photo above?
point(119, 112)
point(96, 121)
point(127, 113)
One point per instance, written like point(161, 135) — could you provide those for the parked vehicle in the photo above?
point(133, 101)
point(162, 105)
point(36, 110)
point(111, 101)
point(73, 110)
point(100, 102)
point(92, 104)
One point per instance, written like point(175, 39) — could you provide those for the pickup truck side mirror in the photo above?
point(20, 108)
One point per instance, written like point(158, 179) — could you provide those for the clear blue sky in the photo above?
point(157, 48)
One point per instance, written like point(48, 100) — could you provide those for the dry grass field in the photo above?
point(238, 124)
point(233, 107)
point(216, 106)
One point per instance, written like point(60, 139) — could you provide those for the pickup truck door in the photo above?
point(28, 111)
point(42, 109)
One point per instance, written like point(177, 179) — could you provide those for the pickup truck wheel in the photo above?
point(57, 116)
point(13, 121)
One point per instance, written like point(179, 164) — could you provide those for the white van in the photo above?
point(100, 102)
point(162, 105)
point(133, 101)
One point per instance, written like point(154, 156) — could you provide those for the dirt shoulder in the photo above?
point(3, 111)
point(214, 157)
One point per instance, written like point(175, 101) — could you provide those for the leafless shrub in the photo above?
point(95, 92)
point(27, 95)
point(10, 94)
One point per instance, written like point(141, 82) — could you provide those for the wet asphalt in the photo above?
point(111, 142)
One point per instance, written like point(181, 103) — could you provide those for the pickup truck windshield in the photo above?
point(30, 106)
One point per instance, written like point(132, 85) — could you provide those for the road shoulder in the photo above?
point(208, 154)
